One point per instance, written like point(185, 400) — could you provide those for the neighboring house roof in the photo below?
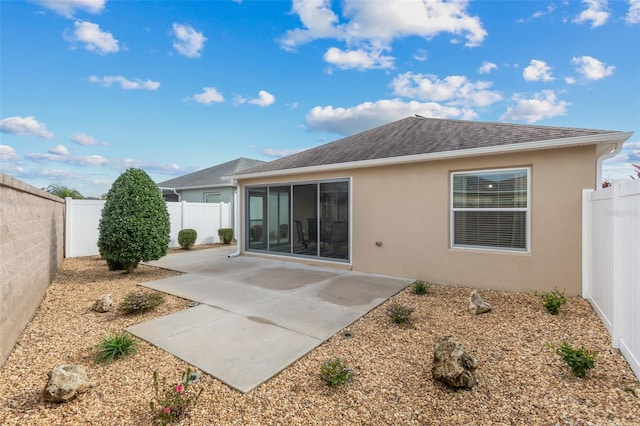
point(212, 176)
point(420, 139)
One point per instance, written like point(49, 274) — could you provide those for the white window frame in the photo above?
point(527, 211)
point(211, 193)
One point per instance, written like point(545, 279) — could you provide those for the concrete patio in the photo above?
point(256, 316)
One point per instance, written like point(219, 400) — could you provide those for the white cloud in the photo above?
point(85, 140)
point(539, 14)
point(537, 71)
point(370, 27)
point(542, 105)
point(59, 150)
point(208, 96)
point(570, 80)
point(347, 121)
point(420, 55)
point(264, 99)
point(7, 153)
point(487, 67)
point(68, 8)
point(454, 89)
point(633, 15)
point(279, 153)
point(596, 13)
point(24, 126)
point(94, 39)
point(359, 59)
point(189, 42)
point(136, 84)
point(591, 68)
point(620, 166)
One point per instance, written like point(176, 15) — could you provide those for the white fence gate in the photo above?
point(83, 218)
point(611, 263)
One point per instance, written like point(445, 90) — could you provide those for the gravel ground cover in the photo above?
point(520, 380)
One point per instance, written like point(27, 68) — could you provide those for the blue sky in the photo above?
point(92, 87)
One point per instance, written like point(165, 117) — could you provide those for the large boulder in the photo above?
point(103, 304)
point(452, 364)
point(65, 383)
point(477, 305)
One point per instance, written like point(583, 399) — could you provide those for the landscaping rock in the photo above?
point(452, 364)
point(103, 304)
point(477, 305)
point(65, 383)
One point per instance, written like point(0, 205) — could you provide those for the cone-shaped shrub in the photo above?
point(135, 223)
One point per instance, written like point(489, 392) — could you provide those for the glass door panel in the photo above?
point(305, 219)
point(334, 220)
point(279, 226)
point(256, 218)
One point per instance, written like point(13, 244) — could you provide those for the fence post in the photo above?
point(617, 271)
point(587, 243)
point(68, 234)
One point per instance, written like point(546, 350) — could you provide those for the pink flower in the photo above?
point(167, 410)
point(179, 388)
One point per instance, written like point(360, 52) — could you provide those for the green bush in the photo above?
point(580, 360)
point(113, 346)
point(134, 225)
point(187, 238)
point(335, 372)
point(226, 235)
point(420, 287)
point(399, 314)
point(553, 300)
point(137, 302)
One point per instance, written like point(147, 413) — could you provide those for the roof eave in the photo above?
point(183, 188)
point(617, 137)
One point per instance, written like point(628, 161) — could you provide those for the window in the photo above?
point(490, 209)
point(212, 197)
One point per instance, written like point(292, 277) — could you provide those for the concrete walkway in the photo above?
point(256, 316)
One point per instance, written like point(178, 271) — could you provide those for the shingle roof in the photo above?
point(211, 176)
point(420, 135)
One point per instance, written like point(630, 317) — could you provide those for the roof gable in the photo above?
point(211, 176)
point(419, 136)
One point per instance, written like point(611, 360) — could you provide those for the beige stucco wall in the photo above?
point(406, 207)
point(31, 249)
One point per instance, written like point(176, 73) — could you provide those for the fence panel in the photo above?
point(611, 267)
point(83, 218)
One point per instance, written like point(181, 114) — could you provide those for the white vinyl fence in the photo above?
point(83, 218)
point(611, 263)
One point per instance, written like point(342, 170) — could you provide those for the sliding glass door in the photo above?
point(307, 219)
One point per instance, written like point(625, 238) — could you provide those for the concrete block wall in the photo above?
point(31, 250)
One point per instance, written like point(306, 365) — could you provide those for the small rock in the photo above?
point(477, 305)
point(103, 304)
point(452, 364)
point(65, 383)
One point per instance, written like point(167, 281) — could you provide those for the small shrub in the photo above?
point(399, 314)
point(335, 372)
point(226, 235)
point(114, 346)
point(171, 403)
point(137, 302)
point(552, 300)
point(420, 287)
point(580, 360)
point(187, 238)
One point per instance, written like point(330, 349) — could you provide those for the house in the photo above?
point(208, 185)
point(487, 205)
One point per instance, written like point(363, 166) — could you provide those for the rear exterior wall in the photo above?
point(407, 209)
